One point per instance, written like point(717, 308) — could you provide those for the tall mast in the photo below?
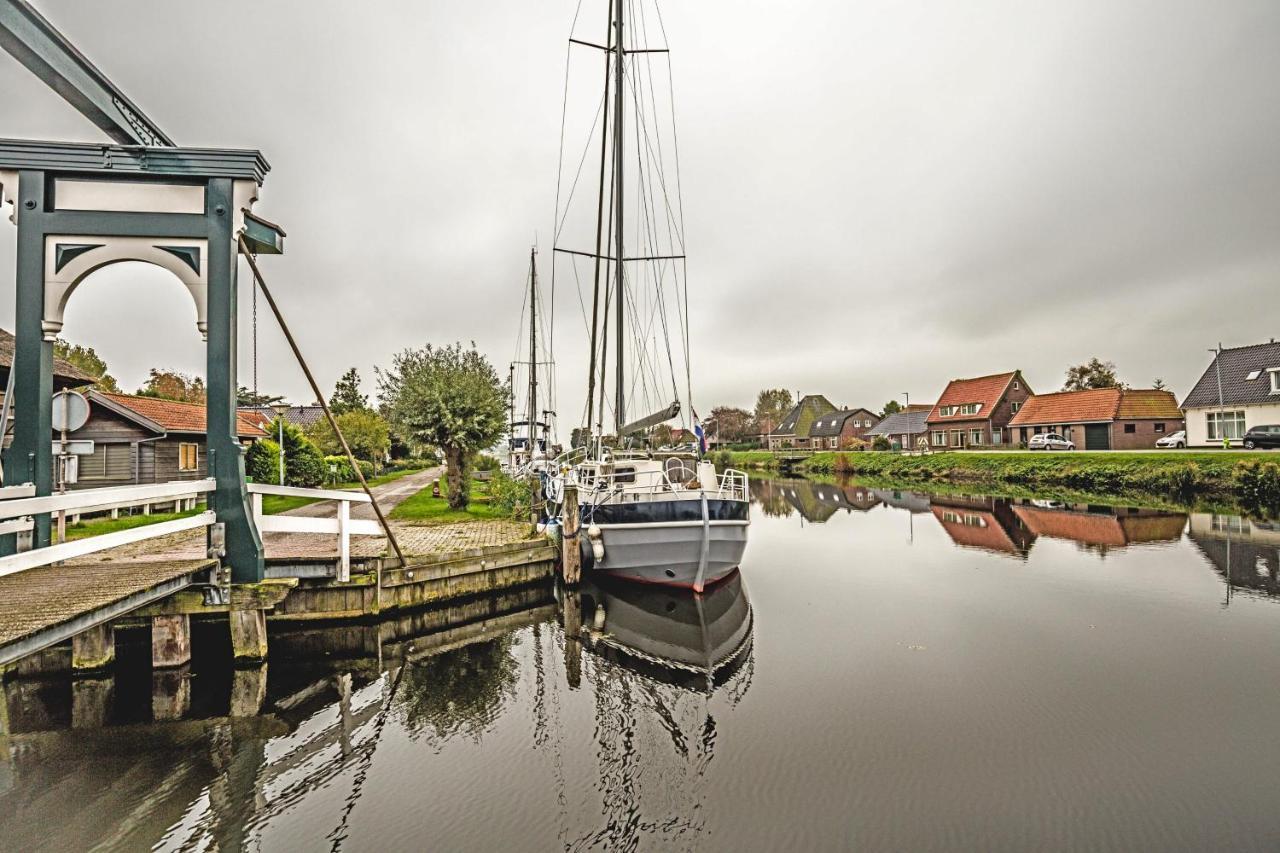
point(533, 348)
point(619, 294)
point(595, 291)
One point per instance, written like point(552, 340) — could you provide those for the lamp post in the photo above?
point(1222, 427)
point(280, 409)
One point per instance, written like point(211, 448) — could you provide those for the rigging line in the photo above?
point(649, 149)
point(564, 116)
point(568, 202)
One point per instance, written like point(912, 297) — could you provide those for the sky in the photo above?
point(878, 196)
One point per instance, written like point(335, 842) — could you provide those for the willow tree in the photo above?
point(449, 397)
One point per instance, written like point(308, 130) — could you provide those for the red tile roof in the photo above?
point(174, 416)
point(1098, 404)
point(986, 390)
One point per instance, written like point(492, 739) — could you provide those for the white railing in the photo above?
point(733, 484)
point(344, 525)
point(18, 505)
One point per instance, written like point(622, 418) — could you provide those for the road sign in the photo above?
point(79, 447)
point(70, 411)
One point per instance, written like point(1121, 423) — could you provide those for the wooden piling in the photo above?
point(170, 641)
point(573, 638)
point(248, 634)
point(571, 520)
point(93, 649)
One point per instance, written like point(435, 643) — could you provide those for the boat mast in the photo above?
point(533, 348)
point(595, 291)
point(619, 295)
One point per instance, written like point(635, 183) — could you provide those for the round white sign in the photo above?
point(70, 411)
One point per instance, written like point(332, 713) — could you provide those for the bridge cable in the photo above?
point(315, 388)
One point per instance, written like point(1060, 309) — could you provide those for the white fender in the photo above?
point(596, 537)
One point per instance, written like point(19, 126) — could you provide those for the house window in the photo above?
point(1253, 374)
point(1017, 386)
point(867, 424)
point(970, 408)
point(1158, 427)
point(1014, 406)
point(1275, 379)
point(93, 466)
point(1130, 428)
point(188, 457)
point(975, 436)
point(939, 439)
point(947, 411)
point(996, 436)
point(1220, 425)
point(957, 438)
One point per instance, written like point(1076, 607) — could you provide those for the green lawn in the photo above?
point(98, 526)
point(425, 509)
point(275, 504)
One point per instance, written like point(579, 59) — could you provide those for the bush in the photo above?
point(880, 443)
point(724, 459)
point(1258, 484)
point(513, 498)
point(342, 472)
point(262, 461)
point(485, 462)
point(842, 465)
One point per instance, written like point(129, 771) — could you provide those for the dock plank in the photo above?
point(40, 599)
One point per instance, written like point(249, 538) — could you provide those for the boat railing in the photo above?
point(733, 484)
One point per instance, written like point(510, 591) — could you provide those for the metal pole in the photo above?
point(619, 295)
point(62, 465)
point(315, 388)
point(1217, 362)
point(595, 290)
point(280, 423)
point(533, 350)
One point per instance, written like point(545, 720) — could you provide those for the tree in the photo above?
point(449, 397)
point(246, 398)
point(660, 435)
point(367, 433)
point(88, 361)
point(172, 385)
point(1092, 374)
point(890, 408)
point(772, 406)
point(728, 423)
point(1158, 385)
point(346, 394)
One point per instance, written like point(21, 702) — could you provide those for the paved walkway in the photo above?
point(415, 539)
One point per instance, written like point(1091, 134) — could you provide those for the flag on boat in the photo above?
point(702, 437)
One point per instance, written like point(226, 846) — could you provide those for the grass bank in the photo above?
point(1252, 478)
point(273, 504)
point(423, 508)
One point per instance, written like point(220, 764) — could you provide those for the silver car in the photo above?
point(1177, 439)
point(1049, 441)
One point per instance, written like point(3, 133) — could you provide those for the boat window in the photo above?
point(624, 475)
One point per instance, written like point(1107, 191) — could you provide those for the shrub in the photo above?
point(842, 464)
point(513, 498)
point(262, 460)
point(341, 467)
point(724, 459)
point(1258, 484)
point(485, 462)
point(880, 443)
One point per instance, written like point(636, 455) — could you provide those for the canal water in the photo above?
point(891, 670)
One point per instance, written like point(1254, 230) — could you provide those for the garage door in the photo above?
point(1097, 437)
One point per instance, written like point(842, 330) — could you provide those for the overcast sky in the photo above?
point(879, 196)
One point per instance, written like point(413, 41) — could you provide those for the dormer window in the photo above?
point(970, 408)
point(1275, 379)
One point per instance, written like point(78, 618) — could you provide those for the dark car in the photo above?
point(1262, 436)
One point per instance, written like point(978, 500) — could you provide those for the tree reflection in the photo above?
point(460, 692)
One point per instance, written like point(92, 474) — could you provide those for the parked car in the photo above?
point(1049, 441)
point(1173, 439)
point(1262, 436)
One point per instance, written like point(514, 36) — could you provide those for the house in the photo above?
point(65, 374)
point(975, 412)
point(841, 428)
point(303, 417)
point(1249, 379)
point(147, 440)
point(903, 428)
point(1100, 418)
point(794, 429)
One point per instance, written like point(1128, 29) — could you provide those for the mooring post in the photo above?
point(248, 635)
point(571, 554)
point(248, 690)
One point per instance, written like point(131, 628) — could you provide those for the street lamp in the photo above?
point(1222, 426)
point(280, 409)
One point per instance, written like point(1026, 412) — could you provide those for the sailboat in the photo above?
point(657, 514)
point(530, 453)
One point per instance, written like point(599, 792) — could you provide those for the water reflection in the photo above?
point(1245, 551)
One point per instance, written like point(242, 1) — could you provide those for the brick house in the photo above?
point(835, 430)
point(794, 429)
point(976, 412)
point(1100, 418)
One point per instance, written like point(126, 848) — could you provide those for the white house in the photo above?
point(1239, 390)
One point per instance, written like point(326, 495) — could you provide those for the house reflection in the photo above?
point(1246, 552)
point(1101, 528)
point(988, 524)
point(816, 502)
